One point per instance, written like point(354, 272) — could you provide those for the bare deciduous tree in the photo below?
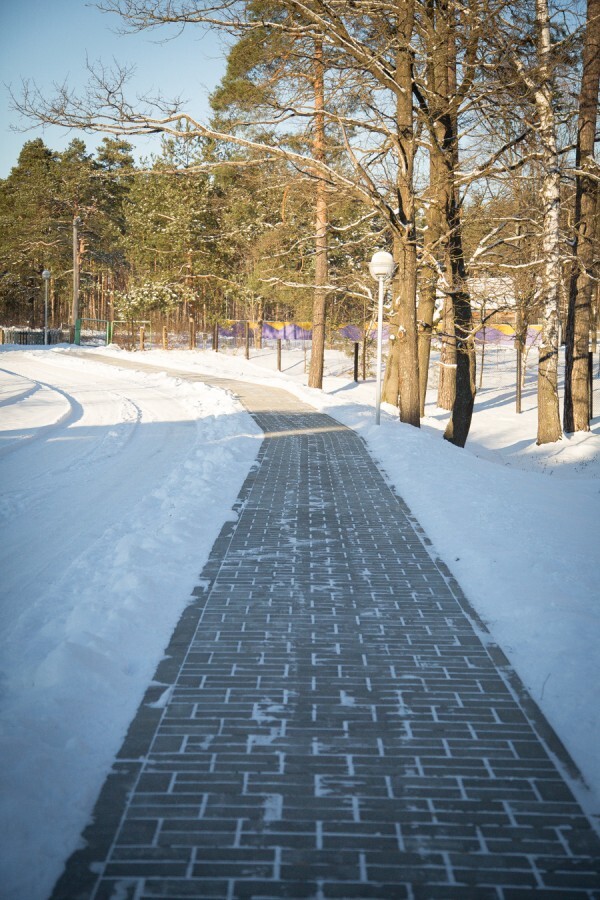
point(585, 268)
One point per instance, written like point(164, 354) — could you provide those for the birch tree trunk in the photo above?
point(582, 285)
point(549, 428)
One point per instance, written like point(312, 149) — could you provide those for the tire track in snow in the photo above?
point(20, 392)
point(109, 445)
point(73, 414)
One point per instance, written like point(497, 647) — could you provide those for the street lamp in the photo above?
point(46, 274)
point(381, 267)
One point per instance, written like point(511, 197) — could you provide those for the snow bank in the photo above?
point(115, 485)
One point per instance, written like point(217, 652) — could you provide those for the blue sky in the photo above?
point(48, 41)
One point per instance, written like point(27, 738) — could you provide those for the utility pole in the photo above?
point(75, 309)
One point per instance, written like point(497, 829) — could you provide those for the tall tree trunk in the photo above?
point(437, 83)
point(447, 378)
point(581, 289)
point(75, 308)
point(405, 386)
point(315, 375)
point(549, 428)
point(461, 364)
point(406, 343)
point(427, 296)
point(260, 316)
point(595, 323)
point(459, 425)
point(390, 391)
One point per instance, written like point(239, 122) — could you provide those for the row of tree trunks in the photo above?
point(406, 378)
point(381, 50)
point(457, 374)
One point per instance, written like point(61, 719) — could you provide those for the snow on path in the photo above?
point(114, 487)
point(115, 484)
point(516, 523)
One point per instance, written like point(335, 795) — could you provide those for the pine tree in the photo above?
point(29, 238)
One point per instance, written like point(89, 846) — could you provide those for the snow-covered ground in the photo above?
point(115, 484)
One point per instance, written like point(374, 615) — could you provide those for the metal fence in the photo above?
point(35, 336)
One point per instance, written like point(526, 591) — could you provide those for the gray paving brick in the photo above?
point(182, 889)
point(336, 727)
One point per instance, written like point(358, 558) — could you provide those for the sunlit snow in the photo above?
point(115, 484)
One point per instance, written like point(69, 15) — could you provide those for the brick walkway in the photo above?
point(331, 723)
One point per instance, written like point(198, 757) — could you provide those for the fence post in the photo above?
point(192, 333)
point(165, 338)
point(216, 338)
point(279, 354)
point(77, 334)
point(247, 338)
point(356, 361)
point(142, 336)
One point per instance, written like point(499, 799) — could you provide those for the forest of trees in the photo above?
point(167, 238)
point(458, 134)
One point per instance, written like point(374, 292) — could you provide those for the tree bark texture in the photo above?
point(391, 383)
point(75, 313)
point(447, 376)
point(549, 427)
point(445, 153)
point(315, 375)
point(459, 425)
point(437, 83)
point(582, 283)
point(426, 310)
point(406, 389)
